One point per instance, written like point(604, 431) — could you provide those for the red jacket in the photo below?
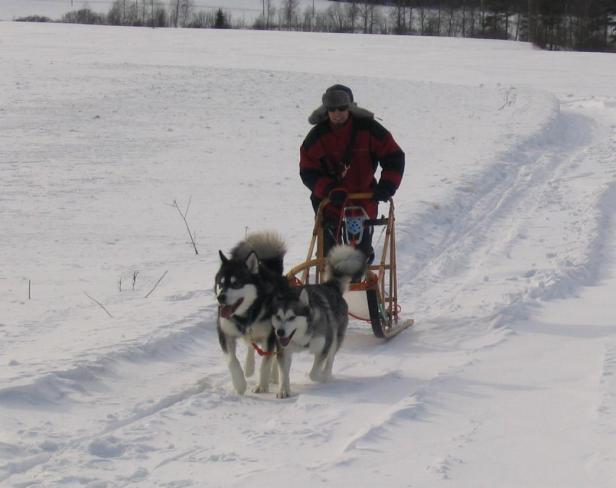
point(323, 152)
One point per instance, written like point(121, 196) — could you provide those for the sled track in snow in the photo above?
point(77, 388)
point(56, 387)
point(509, 205)
point(101, 444)
point(603, 458)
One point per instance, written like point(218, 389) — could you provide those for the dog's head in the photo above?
point(290, 318)
point(236, 284)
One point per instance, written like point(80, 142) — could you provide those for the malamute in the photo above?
point(245, 286)
point(315, 317)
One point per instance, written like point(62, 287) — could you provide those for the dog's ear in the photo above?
point(252, 263)
point(304, 298)
point(223, 258)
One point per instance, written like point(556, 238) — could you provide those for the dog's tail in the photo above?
point(344, 263)
point(267, 245)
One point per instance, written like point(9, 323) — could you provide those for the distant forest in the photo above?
point(585, 25)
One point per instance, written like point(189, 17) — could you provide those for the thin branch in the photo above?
point(159, 280)
point(188, 206)
point(98, 303)
point(183, 215)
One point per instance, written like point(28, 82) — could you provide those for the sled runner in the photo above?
point(374, 298)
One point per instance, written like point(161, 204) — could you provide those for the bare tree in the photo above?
point(367, 9)
point(450, 9)
point(352, 12)
point(399, 16)
point(422, 16)
point(337, 17)
point(186, 10)
point(181, 12)
point(269, 11)
point(289, 13)
point(532, 21)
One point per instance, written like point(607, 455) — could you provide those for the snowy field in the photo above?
point(506, 243)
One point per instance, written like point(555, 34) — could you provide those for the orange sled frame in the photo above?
point(375, 298)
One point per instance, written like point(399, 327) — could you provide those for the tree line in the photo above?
point(588, 25)
point(549, 24)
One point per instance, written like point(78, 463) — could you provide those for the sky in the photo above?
point(111, 374)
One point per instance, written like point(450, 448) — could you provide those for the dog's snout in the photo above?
point(280, 332)
point(221, 298)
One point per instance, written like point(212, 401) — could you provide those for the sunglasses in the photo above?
point(344, 108)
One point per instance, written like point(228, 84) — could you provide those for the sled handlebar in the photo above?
point(360, 196)
point(354, 196)
point(357, 196)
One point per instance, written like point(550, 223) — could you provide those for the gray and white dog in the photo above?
point(245, 286)
point(315, 317)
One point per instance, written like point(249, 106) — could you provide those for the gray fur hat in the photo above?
point(337, 96)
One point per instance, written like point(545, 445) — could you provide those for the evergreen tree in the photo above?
point(221, 20)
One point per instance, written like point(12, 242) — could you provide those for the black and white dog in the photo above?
point(245, 286)
point(315, 317)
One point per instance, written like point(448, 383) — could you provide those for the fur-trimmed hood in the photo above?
point(320, 114)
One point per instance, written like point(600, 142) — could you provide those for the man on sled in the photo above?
point(340, 156)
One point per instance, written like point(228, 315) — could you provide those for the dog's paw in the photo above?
point(260, 389)
point(240, 385)
point(283, 394)
point(317, 377)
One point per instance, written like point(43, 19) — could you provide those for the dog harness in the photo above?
point(260, 351)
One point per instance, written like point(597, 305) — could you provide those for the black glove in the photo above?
point(338, 196)
point(382, 192)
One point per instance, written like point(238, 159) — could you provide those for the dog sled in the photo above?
point(373, 298)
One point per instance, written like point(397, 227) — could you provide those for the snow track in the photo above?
point(526, 203)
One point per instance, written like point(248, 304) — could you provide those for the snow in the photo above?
point(506, 252)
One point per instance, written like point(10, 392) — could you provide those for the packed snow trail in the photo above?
point(511, 213)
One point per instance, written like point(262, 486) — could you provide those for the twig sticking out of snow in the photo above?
point(184, 215)
point(98, 303)
point(159, 280)
point(135, 273)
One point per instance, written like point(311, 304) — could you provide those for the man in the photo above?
point(341, 155)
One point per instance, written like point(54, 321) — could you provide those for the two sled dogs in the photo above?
point(258, 306)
